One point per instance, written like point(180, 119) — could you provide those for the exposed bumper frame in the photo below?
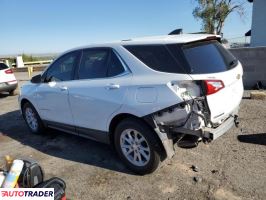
point(210, 133)
point(166, 133)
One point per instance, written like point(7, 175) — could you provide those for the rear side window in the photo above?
point(208, 57)
point(157, 57)
point(3, 66)
point(94, 64)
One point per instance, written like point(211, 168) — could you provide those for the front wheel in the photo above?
point(138, 146)
point(32, 119)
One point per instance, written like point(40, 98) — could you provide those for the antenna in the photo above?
point(176, 32)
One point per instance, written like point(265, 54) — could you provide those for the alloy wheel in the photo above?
point(135, 147)
point(31, 119)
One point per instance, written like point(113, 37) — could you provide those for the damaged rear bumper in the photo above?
point(209, 133)
point(173, 132)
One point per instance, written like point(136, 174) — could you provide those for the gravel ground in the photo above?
point(232, 167)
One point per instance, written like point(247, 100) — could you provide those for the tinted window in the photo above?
point(208, 57)
point(156, 57)
point(63, 68)
point(3, 66)
point(94, 64)
point(115, 66)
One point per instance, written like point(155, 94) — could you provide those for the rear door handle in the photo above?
point(112, 86)
point(63, 88)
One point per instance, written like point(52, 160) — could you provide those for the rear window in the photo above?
point(157, 57)
point(208, 57)
point(3, 66)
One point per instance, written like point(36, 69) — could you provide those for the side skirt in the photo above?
point(96, 135)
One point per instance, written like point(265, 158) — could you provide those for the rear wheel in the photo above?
point(32, 119)
point(138, 146)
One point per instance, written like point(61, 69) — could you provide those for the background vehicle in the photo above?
point(140, 95)
point(8, 82)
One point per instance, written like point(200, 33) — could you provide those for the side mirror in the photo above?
point(36, 79)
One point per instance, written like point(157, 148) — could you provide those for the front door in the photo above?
point(53, 94)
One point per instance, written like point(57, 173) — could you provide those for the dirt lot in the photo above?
point(232, 167)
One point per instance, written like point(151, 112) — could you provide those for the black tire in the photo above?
point(12, 93)
point(150, 137)
point(40, 127)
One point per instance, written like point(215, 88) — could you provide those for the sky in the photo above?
point(53, 26)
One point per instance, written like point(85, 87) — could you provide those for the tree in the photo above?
point(213, 13)
point(28, 58)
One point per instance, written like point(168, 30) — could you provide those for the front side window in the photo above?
point(94, 64)
point(63, 68)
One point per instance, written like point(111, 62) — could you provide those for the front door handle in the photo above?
point(63, 88)
point(112, 86)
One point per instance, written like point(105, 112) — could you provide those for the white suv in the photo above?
point(140, 95)
point(8, 81)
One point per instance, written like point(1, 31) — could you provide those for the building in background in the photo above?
point(258, 29)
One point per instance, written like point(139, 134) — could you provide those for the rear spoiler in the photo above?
point(214, 37)
point(209, 38)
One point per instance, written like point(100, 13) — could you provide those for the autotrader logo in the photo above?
point(26, 193)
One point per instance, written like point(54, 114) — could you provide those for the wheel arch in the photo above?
point(120, 117)
point(41, 124)
point(23, 101)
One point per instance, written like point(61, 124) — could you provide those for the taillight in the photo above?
point(9, 71)
point(213, 86)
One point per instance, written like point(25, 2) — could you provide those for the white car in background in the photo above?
point(8, 82)
point(140, 95)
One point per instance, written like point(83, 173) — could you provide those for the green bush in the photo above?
point(28, 58)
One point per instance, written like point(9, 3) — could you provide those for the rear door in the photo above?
point(210, 61)
point(99, 91)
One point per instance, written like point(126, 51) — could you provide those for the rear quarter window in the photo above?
point(157, 57)
point(115, 66)
point(208, 57)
